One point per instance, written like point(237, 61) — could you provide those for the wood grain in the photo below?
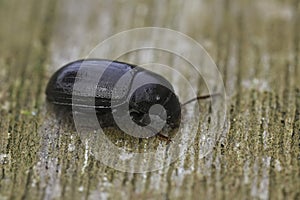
point(255, 45)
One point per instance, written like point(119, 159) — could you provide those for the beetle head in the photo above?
point(147, 97)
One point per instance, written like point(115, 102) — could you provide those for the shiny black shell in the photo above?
point(60, 89)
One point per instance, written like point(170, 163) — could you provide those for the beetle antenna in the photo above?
point(201, 98)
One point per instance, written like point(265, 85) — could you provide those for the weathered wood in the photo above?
point(256, 47)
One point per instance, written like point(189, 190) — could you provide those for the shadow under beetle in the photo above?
point(59, 91)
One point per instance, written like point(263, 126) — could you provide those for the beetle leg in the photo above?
point(166, 138)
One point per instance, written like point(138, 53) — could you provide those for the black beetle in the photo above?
point(60, 89)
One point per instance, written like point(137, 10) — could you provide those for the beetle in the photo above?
point(59, 91)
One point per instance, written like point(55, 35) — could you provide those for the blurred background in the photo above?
point(255, 45)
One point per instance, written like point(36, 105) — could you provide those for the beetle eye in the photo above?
point(134, 114)
point(140, 119)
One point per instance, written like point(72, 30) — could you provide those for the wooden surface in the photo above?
point(256, 47)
